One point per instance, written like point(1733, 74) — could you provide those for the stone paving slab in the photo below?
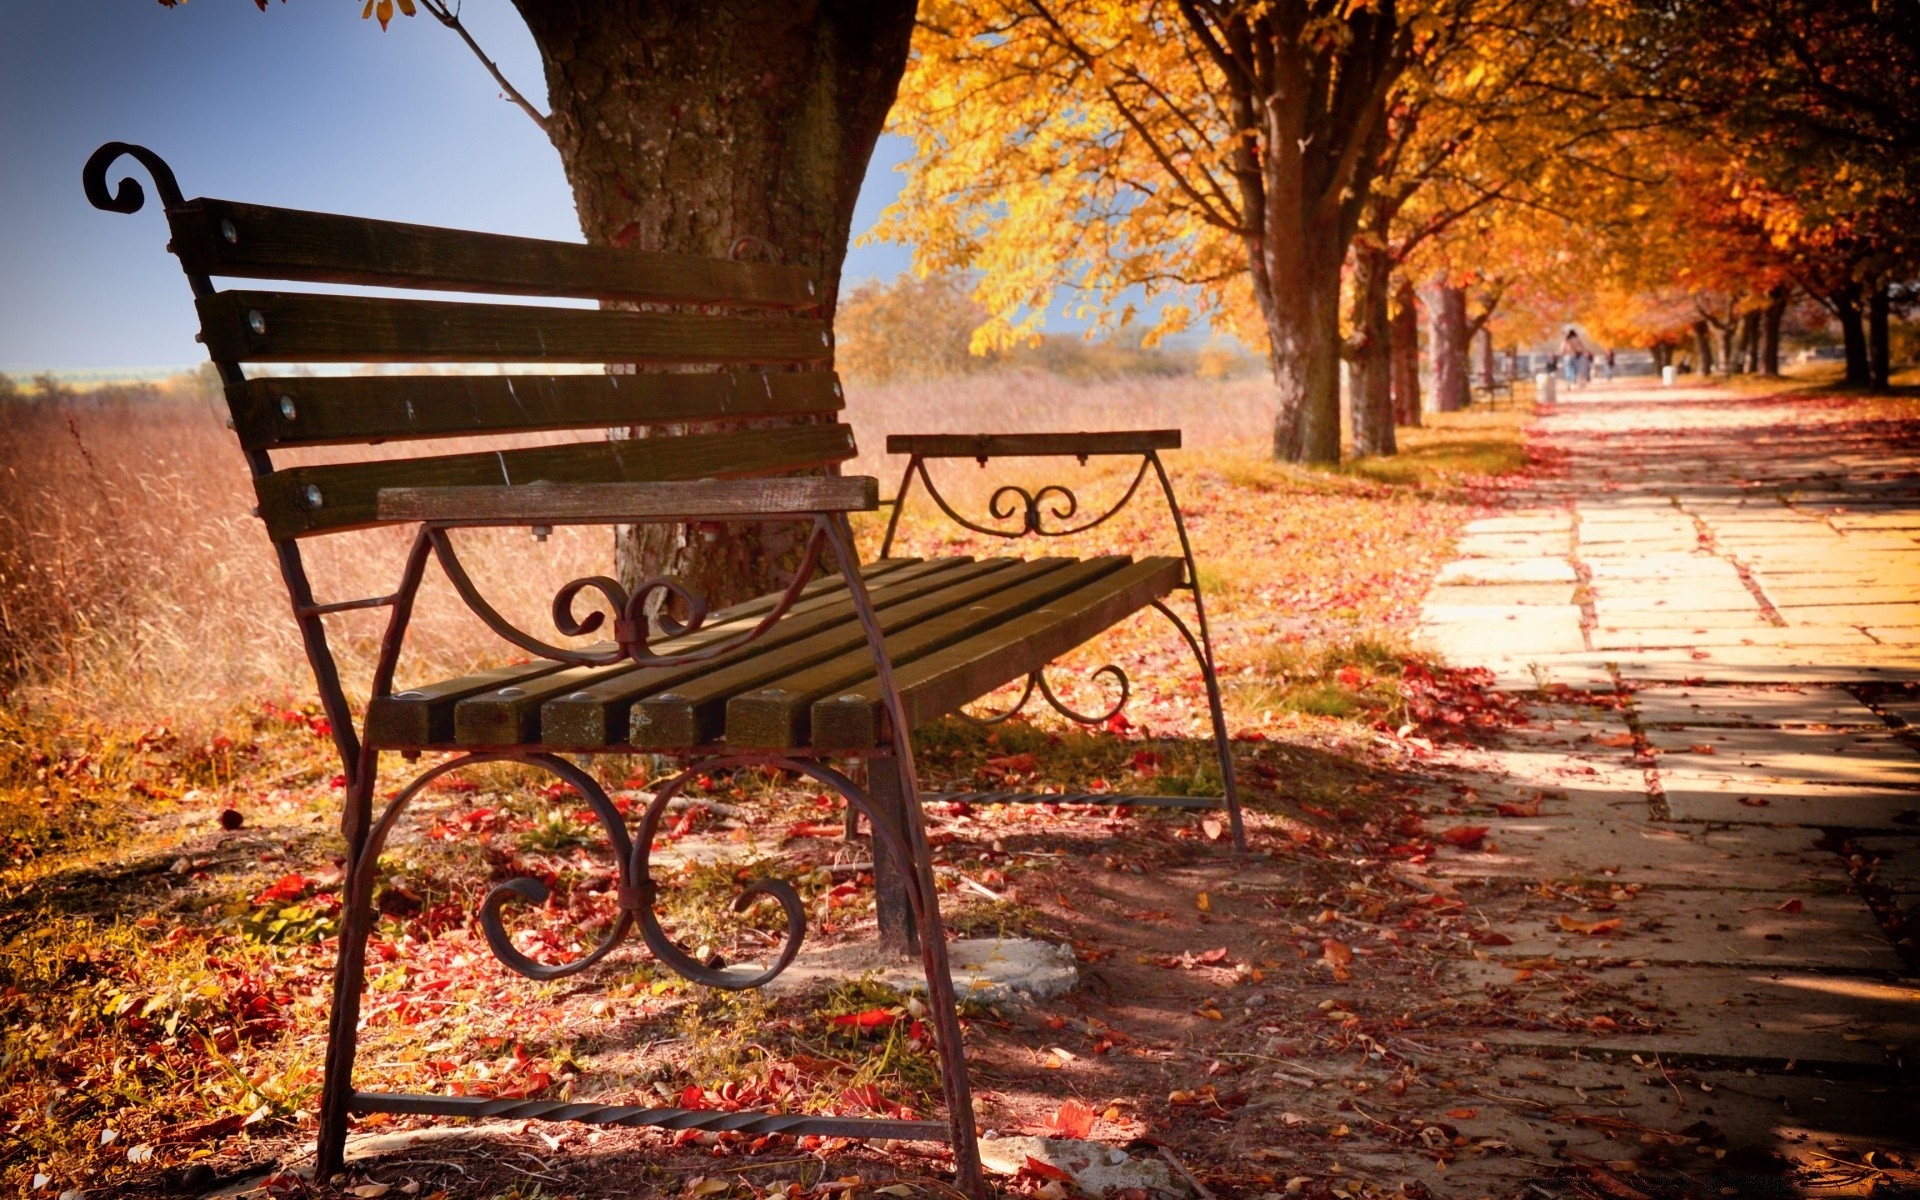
point(1510, 545)
point(1468, 632)
point(1787, 802)
point(1758, 634)
point(1795, 755)
point(1616, 616)
point(1470, 571)
point(1557, 521)
point(1766, 1016)
point(1752, 706)
point(1557, 846)
point(1722, 928)
point(1528, 594)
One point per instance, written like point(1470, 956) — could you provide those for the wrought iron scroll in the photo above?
point(1037, 683)
point(1009, 501)
point(129, 196)
point(632, 629)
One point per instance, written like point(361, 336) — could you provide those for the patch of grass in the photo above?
point(1451, 448)
point(1356, 678)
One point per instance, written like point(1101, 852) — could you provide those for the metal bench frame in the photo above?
point(907, 896)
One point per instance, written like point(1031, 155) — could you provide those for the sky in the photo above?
point(304, 105)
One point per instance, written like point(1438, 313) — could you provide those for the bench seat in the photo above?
point(956, 629)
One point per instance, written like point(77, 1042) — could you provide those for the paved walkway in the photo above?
point(1729, 589)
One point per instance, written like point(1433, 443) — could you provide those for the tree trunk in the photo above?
point(1662, 356)
point(1298, 286)
point(1702, 348)
point(1846, 306)
point(1729, 353)
point(1750, 342)
point(1370, 373)
point(1770, 320)
point(686, 126)
point(1879, 352)
point(1406, 355)
point(1488, 369)
point(1447, 342)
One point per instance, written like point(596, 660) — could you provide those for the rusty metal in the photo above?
point(901, 835)
point(748, 1122)
point(1033, 524)
point(633, 628)
point(1037, 684)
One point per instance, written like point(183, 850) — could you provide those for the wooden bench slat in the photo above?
point(943, 681)
point(588, 503)
point(345, 495)
point(513, 717)
point(313, 328)
point(257, 241)
point(693, 713)
point(424, 716)
point(777, 714)
point(596, 714)
point(1032, 445)
point(321, 411)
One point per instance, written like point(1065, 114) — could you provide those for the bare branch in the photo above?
point(450, 17)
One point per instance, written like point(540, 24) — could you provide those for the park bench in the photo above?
point(840, 665)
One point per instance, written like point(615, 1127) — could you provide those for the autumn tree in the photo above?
point(699, 126)
point(911, 328)
point(1210, 146)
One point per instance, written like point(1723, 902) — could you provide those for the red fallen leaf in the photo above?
point(1701, 748)
point(1492, 937)
point(1605, 1024)
point(287, 887)
point(1463, 1114)
point(1044, 1170)
point(1073, 1120)
point(815, 829)
point(1791, 906)
point(1014, 762)
point(872, 1018)
point(1614, 740)
point(1755, 801)
point(1530, 809)
point(1466, 837)
point(1338, 955)
point(1210, 957)
point(693, 1097)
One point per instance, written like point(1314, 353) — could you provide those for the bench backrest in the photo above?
point(704, 339)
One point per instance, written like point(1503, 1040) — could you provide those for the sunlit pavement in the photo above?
point(1747, 570)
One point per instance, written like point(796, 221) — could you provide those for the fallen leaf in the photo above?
point(1203, 902)
point(1617, 741)
point(1589, 928)
point(1755, 801)
point(1045, 1170)
point(1530, 809)
point(1463, 1114)
point(1791, 906)
point(1466, 837)
point(1701, 748)
point(1338, 955)
point(1072, 1120)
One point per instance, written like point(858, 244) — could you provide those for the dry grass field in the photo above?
point(163, 974)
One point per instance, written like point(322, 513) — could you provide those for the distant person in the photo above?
point(1572, 350)
point(1609, 364)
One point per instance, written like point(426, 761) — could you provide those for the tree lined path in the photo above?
point(1718, 601)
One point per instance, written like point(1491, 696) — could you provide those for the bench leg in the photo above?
point(343, 1020)
point(898, 935)
point(1222, 746)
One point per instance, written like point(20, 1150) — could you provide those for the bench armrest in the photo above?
point(595, 503)
point(1032, 445)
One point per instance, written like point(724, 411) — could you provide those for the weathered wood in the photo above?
point(574, 503)
point(310, 327)
point(694, 713)
point(425, 716)
point(1032, 445)
point(598, 714)
point(329, 410)
point(967, 670)
point(255, 241)
point(306, 500)
point(776, 714)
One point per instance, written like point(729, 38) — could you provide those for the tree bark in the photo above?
point(1750, 342)
point(1405, 336)
point(1879, 350)
point(1370, 374)
point(1846, 307)
point(1447, 343)
point(1702, 348)
point(1770, 320)
point(1298, 286)
point(687, 125)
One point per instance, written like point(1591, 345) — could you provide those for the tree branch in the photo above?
point(450, 17)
